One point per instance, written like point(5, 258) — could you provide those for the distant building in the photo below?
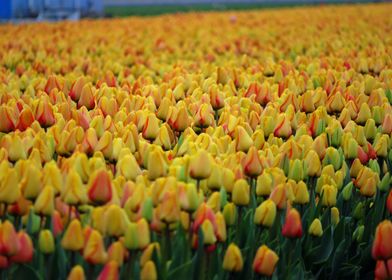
point(49, 9)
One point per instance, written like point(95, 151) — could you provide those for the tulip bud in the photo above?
point(204, 117)
point(296, 171)
point(109, 271)
point(230, 214)
point(240, 196)
point(25, 253)
point(351, 150)
point(265, 214)
point(208, 232)
point(312, 164)
point(329, 193)
point(151, 127)
point(279, 196)
point(170, 207)
point(74, 192)
point(358, 233)
point(149, 271)
point(283, 127)
point(116, 253)
point(147, 209)
point(128, 167)
point(115, 221)
point(315, 228)
point(148, 253)
point(46, 242)
point(292, 227)
point(264, 184)
point(100, 187)
point(335, 218)
point(301, 193)
point(252, 164)
point(383, 270)
point(9, 190)
point(9, 241)
point(265, 261)
point(242, 139)
point(347, 191)
point(105, 145)
point(232, 260)
point(77, 273)
point(200, 166)
point(44, 205)
point(137, 235)
point(94, 249)
point(73, 238)
point(382, 245)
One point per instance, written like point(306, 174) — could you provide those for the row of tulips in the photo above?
point(261, 154)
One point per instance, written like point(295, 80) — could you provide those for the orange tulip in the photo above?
point(265, 261)
point(292, 227)
point(9, 240)
point(382, 244)
point(25, 253)
point(109, 271)
point(100, 187)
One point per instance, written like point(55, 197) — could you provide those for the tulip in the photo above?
point(283, 127)
point(7, 123)
point(312, 164)
point(116, 252)
point(151, 127)
point(279, 196)
point(220, 227)
point(44, 113)
point(149, 271)
point(208, 233)
point(148, 253)
point(76, 88)
point(100, 187)
point(335, 216)
point(230, 214)
point(46, 242)
point(170, 207)
point(105, 145)
point(26, 118)
point(188, 197)
point(77, 273)
point(243, 141)
point(156, 165)
point(315, 228)
point(329, 194)
point(109, 271)
point(200, 165)
point(25, 253)
point(264, 184)
point(252, 164)
point(214, 201)
point(214, 182)
point(31, 183)
point(204, 117)
point(9, 241)
point(74, 192)
point(265, 214)
point(383, 270)
point(9, 190)
point(137, 235)
point(73, 238)
point(94, 249)
point(296, 171)
point(87, 97)
point(232, 260)
point(358, 233)
point(292, 227)
point(115, 221)
point(16, 150)
point(241, 193)
point(265, 261)
point(382, 245)
point(44, 205)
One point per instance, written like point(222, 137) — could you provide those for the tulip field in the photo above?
point(217, 145)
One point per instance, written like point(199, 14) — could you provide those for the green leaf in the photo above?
point(180, 272)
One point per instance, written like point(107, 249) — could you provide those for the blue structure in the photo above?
point(49, 9)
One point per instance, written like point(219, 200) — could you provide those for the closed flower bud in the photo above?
point(329, 193)
point(86, 98)
point(46, 241)
point(157, 166)
point(241, 193)
point(230, 213)
point(77, 273)
point(301, 194)
point(204, 117)
point(252, 165)
point(169, 207)
point(382, 245)
point(105, 145)
point(200, 166)
point(242, 139)
point(283, 127)
point(370, 129)
point(347, 191)
point(100, 187)
point(296, 171)
point(31, 183)
point(232, 260)
point(115, 221)
point(137, 235)
point(109, 271)
point(44, 205)
point(312, 164)
point(220, 227)
point(26, 251)
point(315, 228)
point(149, 271)
point(208, 233)
point(44, 113)
point(73, 238)
point(265, 261)
point(9, 241)
point(151, 127)
point(74, 192)
point(358, 233)
point(116, 252)
point(265, 214)
point(335, 216)
point(292, 227)
point(278, 196)
point(94, 249)
point(9, 190)
point(264, 184)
